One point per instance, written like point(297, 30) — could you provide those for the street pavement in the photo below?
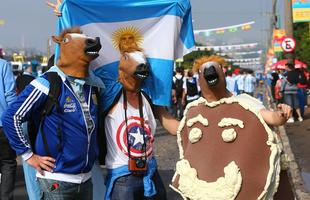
point(299, 138)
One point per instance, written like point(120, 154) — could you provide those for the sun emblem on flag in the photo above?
point(126, 39)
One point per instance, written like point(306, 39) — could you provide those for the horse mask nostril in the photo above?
point(142, 71)
point(211, 75)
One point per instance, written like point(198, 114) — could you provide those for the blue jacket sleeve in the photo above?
point(9, 83)
point(27, 104)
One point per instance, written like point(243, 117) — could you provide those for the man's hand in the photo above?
point(41, 163)
point(285, 110)
point(55, 7)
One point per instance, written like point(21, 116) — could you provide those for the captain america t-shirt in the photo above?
point(115, 126)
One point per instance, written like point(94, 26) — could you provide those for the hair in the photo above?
point(200, 61)
point(290, 66)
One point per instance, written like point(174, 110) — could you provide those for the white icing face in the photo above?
point(224, 188)
point(229, 135)
point(199, 118)
point(227, 187)
point(195, 135)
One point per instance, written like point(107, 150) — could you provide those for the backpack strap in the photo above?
point(51, 101)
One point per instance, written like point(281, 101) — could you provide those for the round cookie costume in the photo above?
point(227, 150)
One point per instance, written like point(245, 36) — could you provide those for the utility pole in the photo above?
point(288, 25)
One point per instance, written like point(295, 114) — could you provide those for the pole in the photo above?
point(288, 24)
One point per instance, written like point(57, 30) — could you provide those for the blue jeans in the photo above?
point(32, 185)
point(60, 190)
point(131, 188)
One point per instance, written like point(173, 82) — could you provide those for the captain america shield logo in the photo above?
point(135, 138)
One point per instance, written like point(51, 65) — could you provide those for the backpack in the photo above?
point(192, 89)
point(178, 85)
point(51, 102)
point(302, 79)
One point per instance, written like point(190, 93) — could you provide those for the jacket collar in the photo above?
point(91, 80)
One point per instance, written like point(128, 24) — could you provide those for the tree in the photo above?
point(302, 37)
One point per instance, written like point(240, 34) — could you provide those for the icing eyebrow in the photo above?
point(198, 118)
point(230, 122)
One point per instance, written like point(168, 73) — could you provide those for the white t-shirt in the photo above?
point(115, 126)
point(255, 103)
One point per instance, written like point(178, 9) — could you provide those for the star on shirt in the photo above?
point(138, 137)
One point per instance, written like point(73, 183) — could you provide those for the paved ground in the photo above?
point(299, 137)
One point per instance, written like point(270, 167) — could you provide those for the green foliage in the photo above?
point(302, 37)
point(189, 58)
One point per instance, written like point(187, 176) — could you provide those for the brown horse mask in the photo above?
point(76, 49)
point(212, 81)
point(133, 69)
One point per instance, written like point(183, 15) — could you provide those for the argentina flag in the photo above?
point(162, 28)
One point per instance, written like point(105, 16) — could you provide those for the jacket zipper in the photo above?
point(88, 135)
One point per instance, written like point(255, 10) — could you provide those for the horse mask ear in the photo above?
point(56, 39)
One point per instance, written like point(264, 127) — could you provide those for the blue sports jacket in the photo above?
point(79, 147)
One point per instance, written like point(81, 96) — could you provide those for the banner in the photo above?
point(301, 10)
point(239, 53)
point(278, 36)
point(242, 60)
point(227, 47)
point(222, 30)
point(163, 29)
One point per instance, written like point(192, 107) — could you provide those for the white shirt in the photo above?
point(230, 84)
point(115, 126)
point(249, 83)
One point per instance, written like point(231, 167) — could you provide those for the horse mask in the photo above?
point(133, 66)
point(76, 49)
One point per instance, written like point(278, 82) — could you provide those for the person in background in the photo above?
point(302, 87)
point(260, 91)
point(8, 162)
point(240, 81)
point(249, 83)
point(231, 82)
point(278, 94)
point(191, 89)
point(290, 89)
point(178, 81)
point(32, 186)
point(274, 79)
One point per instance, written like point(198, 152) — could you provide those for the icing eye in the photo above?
point(195, 135)
point(65, 40)
point(229, 135)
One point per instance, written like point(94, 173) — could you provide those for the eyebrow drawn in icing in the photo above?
point(198, 118)
point(231, 122)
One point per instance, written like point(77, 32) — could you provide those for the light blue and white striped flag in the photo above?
point(163, 28)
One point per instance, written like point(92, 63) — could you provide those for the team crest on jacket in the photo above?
point(135, 137)
point(69, 106)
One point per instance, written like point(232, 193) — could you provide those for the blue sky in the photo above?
point(31, 22)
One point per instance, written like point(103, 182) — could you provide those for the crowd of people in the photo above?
point(185, 87)
point(290, 86)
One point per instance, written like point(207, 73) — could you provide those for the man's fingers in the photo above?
point(45, 167)
point(48, 158)
point(40, 170)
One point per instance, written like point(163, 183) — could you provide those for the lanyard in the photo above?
point(141, 122)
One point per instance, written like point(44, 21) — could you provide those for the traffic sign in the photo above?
point(288, 44)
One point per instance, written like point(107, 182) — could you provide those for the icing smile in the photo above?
point(224, 188)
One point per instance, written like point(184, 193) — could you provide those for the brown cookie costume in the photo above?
point(227, 150)
point(226, 155)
